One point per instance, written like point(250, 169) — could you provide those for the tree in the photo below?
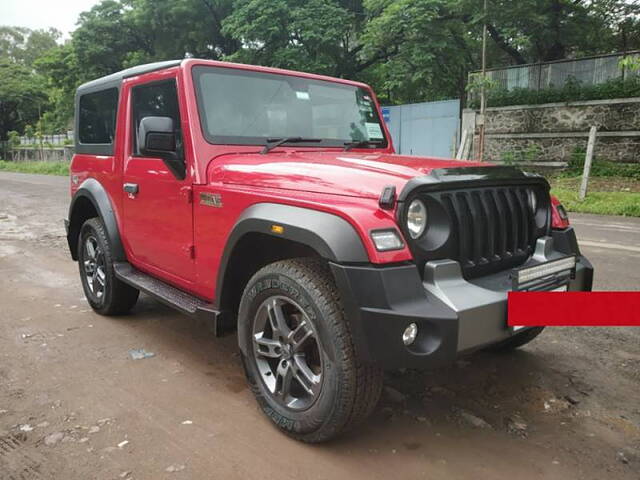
point(23, 97)
point(529, 31)
point(321, 36)
point(24, 46)
point(435, 41)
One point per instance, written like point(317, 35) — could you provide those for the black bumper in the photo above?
point(454, 316)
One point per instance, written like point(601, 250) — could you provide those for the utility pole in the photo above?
point(483, 97)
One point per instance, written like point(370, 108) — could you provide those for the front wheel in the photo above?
point(105, 293)
point(298, 353)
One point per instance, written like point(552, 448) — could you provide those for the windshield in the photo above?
point(246, 107)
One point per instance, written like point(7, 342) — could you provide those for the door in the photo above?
point(158, 215)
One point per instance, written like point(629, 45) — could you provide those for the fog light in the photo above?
point(410, 334)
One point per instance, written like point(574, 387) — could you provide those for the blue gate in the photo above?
point(429, 129)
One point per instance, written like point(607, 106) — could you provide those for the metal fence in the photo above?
point(539, 76)
point(59, 139)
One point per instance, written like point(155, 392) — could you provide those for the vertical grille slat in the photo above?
point(455, 227)
point(515, 219)
point(491, 216)
point(465, 233)
point(525, 215)
point(509, 224)
point(501, 225)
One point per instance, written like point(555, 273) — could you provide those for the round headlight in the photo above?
point(416, 218)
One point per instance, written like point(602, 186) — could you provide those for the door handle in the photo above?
point(131, 188)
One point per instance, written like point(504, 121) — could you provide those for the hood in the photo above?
point(336, 173)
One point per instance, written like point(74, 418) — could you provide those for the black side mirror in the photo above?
point(157, 138)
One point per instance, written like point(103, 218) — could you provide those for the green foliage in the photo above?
point(24, 46)
point(603, 203)
point(530, 155)
point(46, 168)
point(321, 36)
point(572, 91)
point(630, 63)
point(23, 96)
point(428, 47)
point(13, 138)
point(601, 167)
point(29, 131)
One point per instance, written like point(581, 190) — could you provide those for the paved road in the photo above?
point(70, 397)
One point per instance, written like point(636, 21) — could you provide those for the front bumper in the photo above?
point(454, 316)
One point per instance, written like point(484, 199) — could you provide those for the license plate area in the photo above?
point(553, 275)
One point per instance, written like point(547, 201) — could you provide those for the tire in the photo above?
point(329, 389)
point(517, 340)
point(106, 294)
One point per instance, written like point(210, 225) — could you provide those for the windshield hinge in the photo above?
point(387, 198)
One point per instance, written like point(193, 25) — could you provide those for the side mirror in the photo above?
point(157, 138)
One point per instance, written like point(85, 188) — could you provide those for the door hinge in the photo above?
point(188, 194)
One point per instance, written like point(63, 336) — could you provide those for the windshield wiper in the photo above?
point(276, 142)
point(361, 143)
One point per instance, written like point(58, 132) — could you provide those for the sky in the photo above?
point(43, 13)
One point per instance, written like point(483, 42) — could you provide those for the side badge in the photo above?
point(211, 199)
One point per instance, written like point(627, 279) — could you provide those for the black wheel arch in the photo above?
point(92, 200)
point(304, 232)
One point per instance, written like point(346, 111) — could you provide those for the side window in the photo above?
point(97, 117)
point(158, 99)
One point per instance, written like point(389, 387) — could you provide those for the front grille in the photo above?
point(491, 225)
point(486, 229)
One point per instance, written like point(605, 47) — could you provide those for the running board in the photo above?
point(169, 295)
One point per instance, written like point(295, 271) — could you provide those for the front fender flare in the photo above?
point(93, 191)
point(331, 236)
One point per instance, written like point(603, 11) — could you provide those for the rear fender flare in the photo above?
point(93, 191)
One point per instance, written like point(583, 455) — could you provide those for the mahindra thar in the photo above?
point(271, 203)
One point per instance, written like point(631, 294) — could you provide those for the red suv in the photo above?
point(272, 202)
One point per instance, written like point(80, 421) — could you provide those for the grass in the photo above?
point(605, 195)
point(46, 168)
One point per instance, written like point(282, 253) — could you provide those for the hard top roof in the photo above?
point(115, 79)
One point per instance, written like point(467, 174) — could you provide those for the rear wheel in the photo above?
point(105, 293)
point(298, 353)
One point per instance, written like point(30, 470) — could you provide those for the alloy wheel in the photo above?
point(287, 353)
point(94, 266)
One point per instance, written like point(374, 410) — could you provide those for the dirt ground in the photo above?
point(74, 405)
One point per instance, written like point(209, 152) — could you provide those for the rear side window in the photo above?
point(158, 99)
point(97, 117)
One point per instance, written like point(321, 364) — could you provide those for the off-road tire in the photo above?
point(117, 297)
point(350, 389)
point(517, 340)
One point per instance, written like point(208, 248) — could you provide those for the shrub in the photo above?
point(572, 91)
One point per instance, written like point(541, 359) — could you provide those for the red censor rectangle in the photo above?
point(574, 309)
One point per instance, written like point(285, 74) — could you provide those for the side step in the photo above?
point(169, 295)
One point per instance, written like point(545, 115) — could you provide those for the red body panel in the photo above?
point(158, 226)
